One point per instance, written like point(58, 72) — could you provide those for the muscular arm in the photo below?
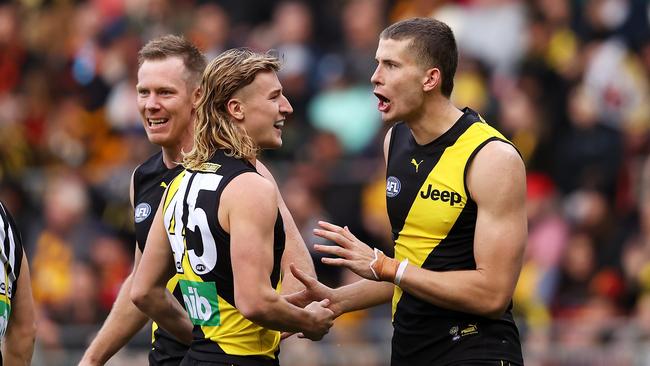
point(295, 250)
point(122, 323)
point(18, 343)
point(496, 180)
point(248, 211)
point(148, 290)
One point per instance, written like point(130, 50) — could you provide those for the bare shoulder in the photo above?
point(250, 201)
point(264, 171)
point(249, 190)
point(497, 170)
point(249, 184)
point(499, 152)
point(261, 168)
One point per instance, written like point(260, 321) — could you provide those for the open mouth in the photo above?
point(384, 103)
point(279, 124)
point(155, 122)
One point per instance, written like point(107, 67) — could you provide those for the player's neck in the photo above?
point(172, 157)
point(438, 115)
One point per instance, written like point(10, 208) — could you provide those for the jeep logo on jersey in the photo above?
point(393, 186)
point(142, 211)
point(444, 196)
point(201, 302)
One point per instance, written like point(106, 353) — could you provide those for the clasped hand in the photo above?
point(324, 319)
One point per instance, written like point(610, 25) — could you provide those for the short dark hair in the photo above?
point(434, 45)
point(175, 46)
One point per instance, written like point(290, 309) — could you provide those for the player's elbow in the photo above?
point(496, 306)
point(19, 343)
point(29, 333)
point(142, 297)
point(23, 333)
point(255, 310)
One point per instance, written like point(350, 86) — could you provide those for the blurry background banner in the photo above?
point(566, 80)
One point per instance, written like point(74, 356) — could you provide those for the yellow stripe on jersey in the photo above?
point(173, 189)
point(440, 201)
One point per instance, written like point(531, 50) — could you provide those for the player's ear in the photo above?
point(432, 79)
point(196, 95)
point(235, 108)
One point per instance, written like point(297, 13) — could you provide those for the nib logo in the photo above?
point(201, 302)
point(5, 310)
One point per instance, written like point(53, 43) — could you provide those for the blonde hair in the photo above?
point(213, 127)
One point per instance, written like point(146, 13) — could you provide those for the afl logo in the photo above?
point(393, 186)
point(142, 211)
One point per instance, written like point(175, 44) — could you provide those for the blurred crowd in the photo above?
point(568, 81)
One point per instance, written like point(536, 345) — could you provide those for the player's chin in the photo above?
point(157, 138)
point(389, 117)
point(272, 145)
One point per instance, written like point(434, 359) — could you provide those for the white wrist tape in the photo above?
point(400, 271)
point(377, 251)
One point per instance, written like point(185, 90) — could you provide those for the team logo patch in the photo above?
point(457, 333)
point(5, 311)
point(393, 186)
point(142, 211)
point(416, 164)
point(201, 302)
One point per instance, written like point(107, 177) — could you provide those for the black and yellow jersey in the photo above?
point(150, 180)
point(201, 250)
point(433, 220)
point(11, 256)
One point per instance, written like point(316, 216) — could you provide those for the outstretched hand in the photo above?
point(352, 253)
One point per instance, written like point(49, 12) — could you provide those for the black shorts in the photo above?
point(166, 350)
point(193, 359)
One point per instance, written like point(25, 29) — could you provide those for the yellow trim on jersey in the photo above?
point(429, 220)
point(173, 188)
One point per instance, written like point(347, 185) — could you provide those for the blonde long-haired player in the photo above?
point(169, 77)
